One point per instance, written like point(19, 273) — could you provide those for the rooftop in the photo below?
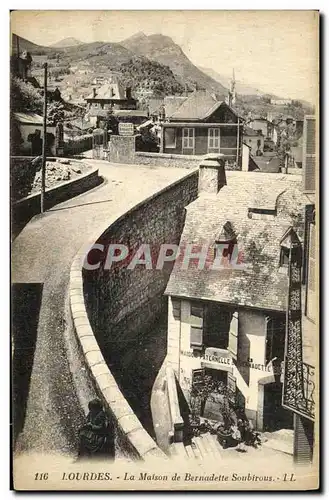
point(198, 106)
point(154, 105)
point(29, 118)
point(113, 91)
point(172, 104)
point(250, 132)
point(261, 284)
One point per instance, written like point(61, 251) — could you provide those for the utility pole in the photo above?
point(43, 168)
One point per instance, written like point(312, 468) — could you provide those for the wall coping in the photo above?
point(60, 185)
point(168, 156)
point(107, 386)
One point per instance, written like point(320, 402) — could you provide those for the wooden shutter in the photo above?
point(311, 275)
point(196, 329)
point(309, 218)
point(176, 308)
point(198, 377)
point(233, 335)
point(303, 440)
point(309, 154)
point(196, 337)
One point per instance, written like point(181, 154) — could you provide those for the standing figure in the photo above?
point(94, 435)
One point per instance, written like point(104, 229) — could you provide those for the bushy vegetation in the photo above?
point(55, 112)
point(24, 97)
point(143, 74)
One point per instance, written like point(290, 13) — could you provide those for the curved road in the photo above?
point(42, 253)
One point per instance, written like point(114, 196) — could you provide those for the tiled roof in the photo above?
point(260, 284)
point(29, 118)
point(198, 106)
point(172, 104)
point(112, 91)
point(154, 105)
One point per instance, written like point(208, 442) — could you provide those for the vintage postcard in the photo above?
point(164, 172)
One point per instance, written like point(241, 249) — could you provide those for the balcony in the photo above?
point(309, 388)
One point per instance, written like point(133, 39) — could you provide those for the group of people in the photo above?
point(243, 433)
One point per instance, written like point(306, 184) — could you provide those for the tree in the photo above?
point(55, 113)
point(24, 97)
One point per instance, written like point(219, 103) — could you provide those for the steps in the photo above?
point(202, 447)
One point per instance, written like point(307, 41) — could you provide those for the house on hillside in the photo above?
point(109, 97)
point(254, 139)
point(229, 323)
point(27, 135)
point(199, 124)
point(267, 127)
point(281, 102)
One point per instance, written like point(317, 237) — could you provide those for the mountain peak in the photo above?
point(136, 37)
point(67, 42)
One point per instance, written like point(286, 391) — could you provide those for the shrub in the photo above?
point(24, 97)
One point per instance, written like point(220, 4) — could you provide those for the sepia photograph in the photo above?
point(164, 201)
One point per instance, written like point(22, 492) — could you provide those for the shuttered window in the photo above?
point(311, 276)
point(198, 377)
point(196, 329)
point(188, 138)
point(233, 335)
point(176, 308)
point(213, 139)
point(309, 152)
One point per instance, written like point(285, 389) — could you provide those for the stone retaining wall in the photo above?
point(123, 303)
point(112, 307)
point(24, 209)
point(167, 160)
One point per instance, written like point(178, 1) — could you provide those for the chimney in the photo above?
point(94, 92)
point(212, 174)
point(128, 93)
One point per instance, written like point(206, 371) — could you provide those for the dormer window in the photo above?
point(285, 245)
point(284, 256)
point(226, 238)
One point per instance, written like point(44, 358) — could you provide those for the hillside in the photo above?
point(150, 76)
point(241, 87)
point(100, 59)
point(103, 57)
point(162, 49)
point(67, 42)
point(31, 47)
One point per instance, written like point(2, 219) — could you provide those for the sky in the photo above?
point(275, 51)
